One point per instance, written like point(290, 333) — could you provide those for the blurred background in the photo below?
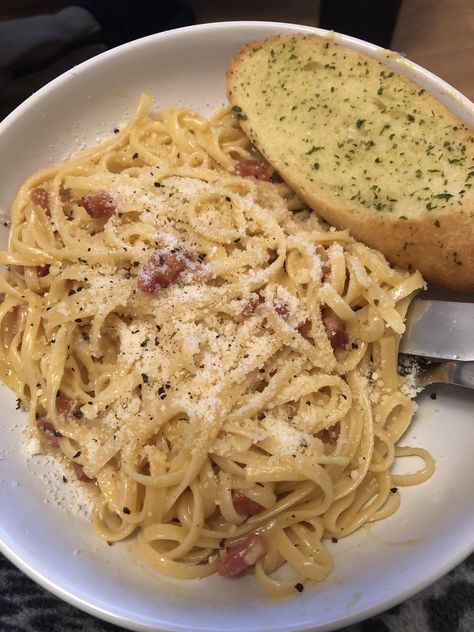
point(40, 39)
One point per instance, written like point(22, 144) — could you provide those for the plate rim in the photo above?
point(51, 85)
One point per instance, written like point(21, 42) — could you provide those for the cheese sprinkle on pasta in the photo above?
point(215, 361)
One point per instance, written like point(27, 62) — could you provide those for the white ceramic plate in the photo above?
point(375, 568)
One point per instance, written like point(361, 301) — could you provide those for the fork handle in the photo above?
point(460, 373)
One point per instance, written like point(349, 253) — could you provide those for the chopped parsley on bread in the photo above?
point(366, 148)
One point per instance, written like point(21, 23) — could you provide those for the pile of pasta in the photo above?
point(217, 364)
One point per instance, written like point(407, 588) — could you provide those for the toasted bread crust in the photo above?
point(419, 211)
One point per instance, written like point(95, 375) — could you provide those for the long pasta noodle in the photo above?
point(173, 344)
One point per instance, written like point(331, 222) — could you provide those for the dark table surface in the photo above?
point(446, 606)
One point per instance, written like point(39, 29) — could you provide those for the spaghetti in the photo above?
point(214, 361)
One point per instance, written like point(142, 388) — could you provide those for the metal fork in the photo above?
point(429, 372)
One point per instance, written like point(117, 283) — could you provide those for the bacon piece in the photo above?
point(48, 431)
point(244, 505)
point(64, 405)
point(305, 329)
point(2, 297)
point(281, 308)
point(335, 329)
point(240, 557)
point(161, 270)
point(42, 270)
point(99, 205)
point(259, 169)
point(250, 306)
point(79, 472)
point(41, 197)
